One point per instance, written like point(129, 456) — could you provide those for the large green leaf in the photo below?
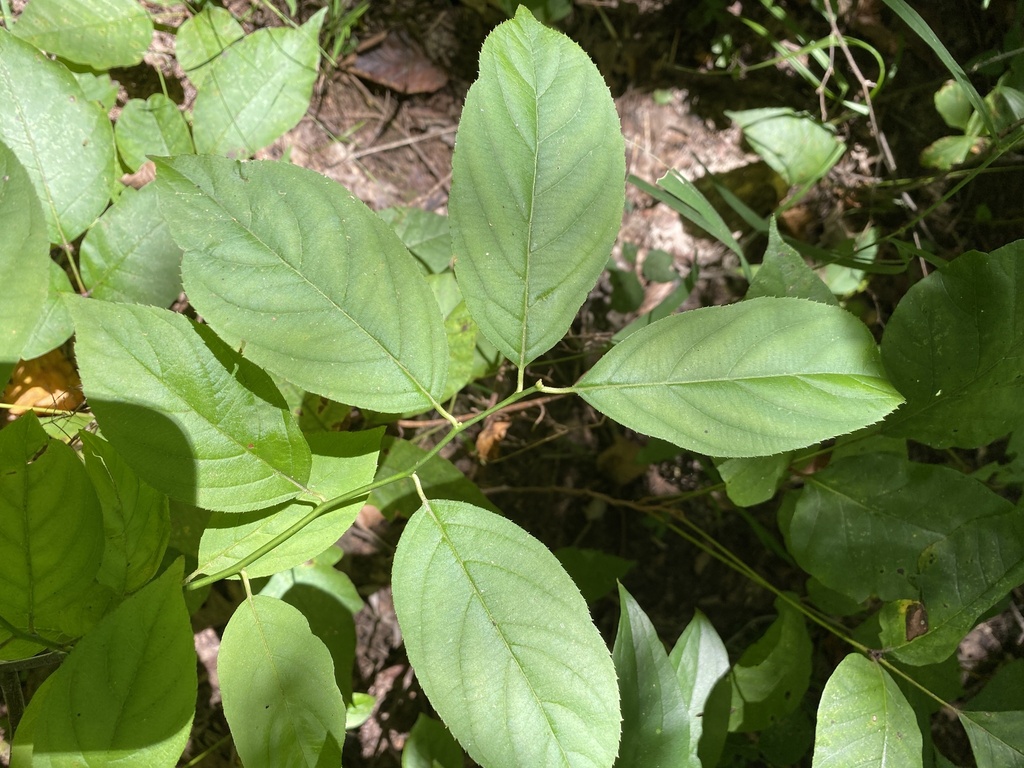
point(101, 34)
point(772, 675)
point(192, 417)
point(136, 518)
point(751, 379)
point(342, 461)
point(317, 287)
point(955, 348)
point(24, 258)
point(864, 719)
point(51, 529)
point(277, 681)
point(127, 693)
point(655, 720)
point(880, 525)
point(129, 254)
point(257, 89)
point(502, 641)
point(64, 140)
point(537, 186)
point(997, 738)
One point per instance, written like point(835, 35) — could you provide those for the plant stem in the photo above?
point(347, 498)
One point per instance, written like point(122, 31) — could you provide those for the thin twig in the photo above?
point(402, 142)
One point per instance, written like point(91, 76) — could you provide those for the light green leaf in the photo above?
point(54, 325)
point(192, 417)
point(64, 140)
point(127, 693)
point(460, 329)
point(431, 745)
point(537, 186)
point(953, 104)
point(955, 348)
point(425, 234)
point(257, 89)
point(785, 273)
point(655, 722)
point(795, 145)
point(772, 675)
point(129, 254)
point(24, 258)
point(751, 379)
point(502, 641)
point(317, 287)
point(201, 39)
point(864, 719)
point(152, 127)
point(51, 529)
point(328, 599)
point(880, 525)
point(701, 661)
point(753, 480)
point(102, 34)
point(948, 151)
point(342, 461)
point(277, 681)
point(136, 518)
point(997, 738)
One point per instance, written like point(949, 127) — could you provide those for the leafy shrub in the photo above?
point(304, 293)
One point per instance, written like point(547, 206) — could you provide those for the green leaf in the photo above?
point(51, 529)
point(277, 681)
point(460, 329)
point(949, 151)
point(64, 140)
point(439, 477)
point(191, 416)
point(129, 254)
point(953, 104)
point(328, 599)
point(772, 675)
point(537, 186)
point(655, 722)
point(54, 325)
point(431, 745)
point(152, 127)
point(701, 662)
point(425, 234)
point(24, 258)
point(796, 146)
point(342, 462)
point(318, 288)
point(127, 692)
point(785, 273)
point(880, 525)
point(202, 38)
point(659, 267)
point(136, 518)
point(502, 641)
point(754, 480)
point(751, 379)
point(1004, 691)
point(99, 88)
point(955, 348)
point(864, 719)
point(997, 738)
point(257, 89)
point(102, 34)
